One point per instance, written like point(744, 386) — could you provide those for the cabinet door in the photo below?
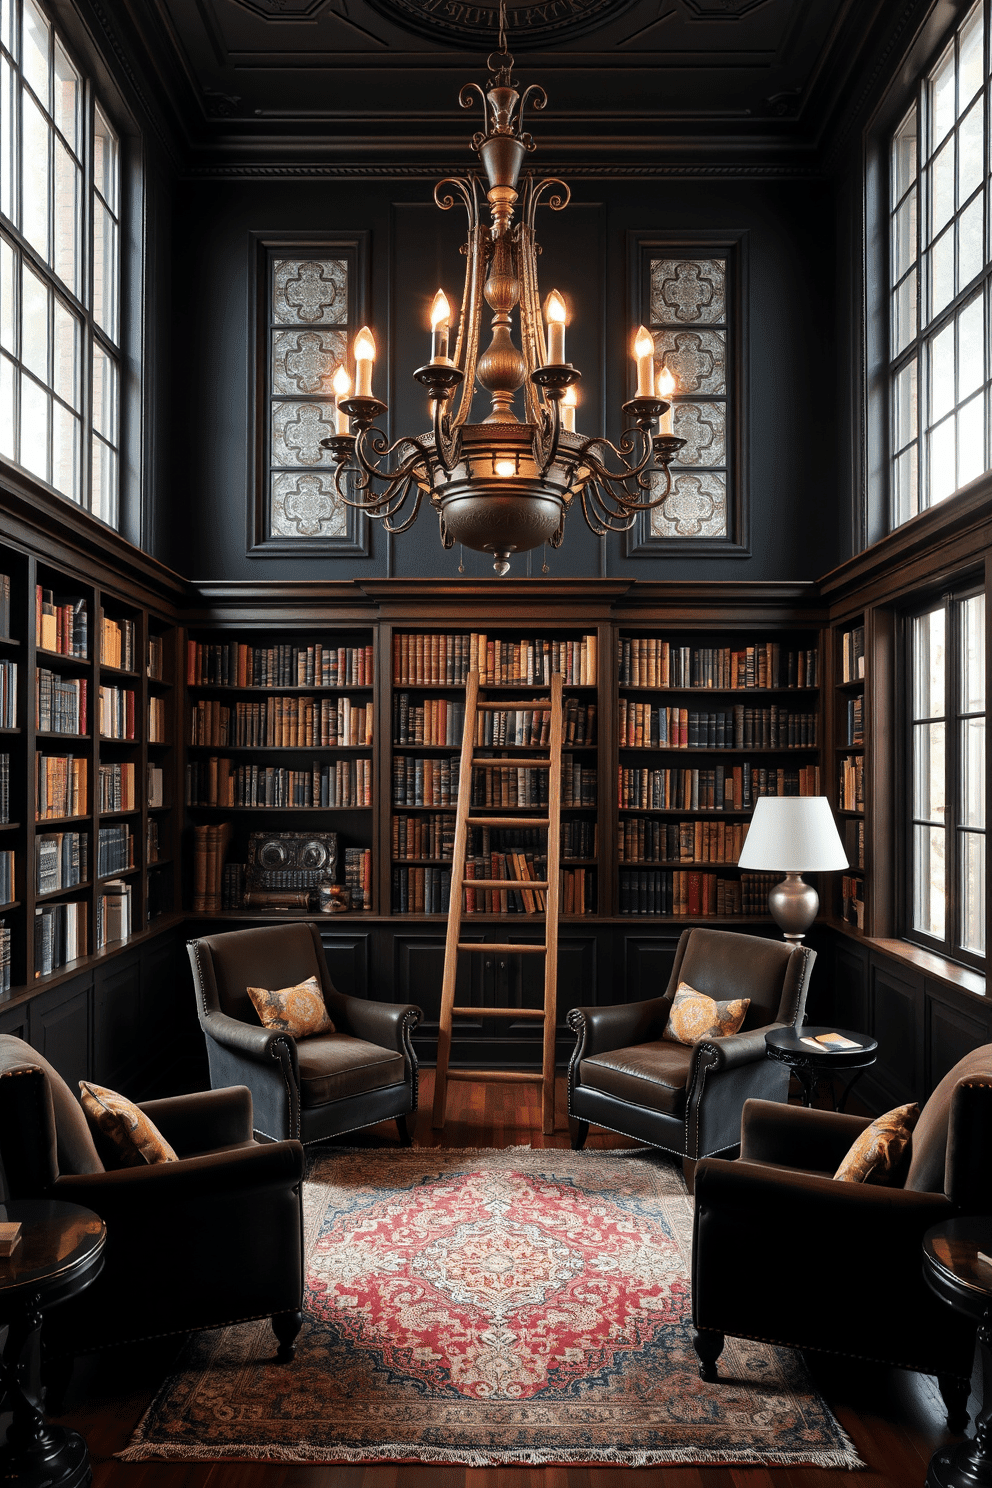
point(520, 983)
point(61, 1029)
point(418, 971)
point(896, 1007)
point(348, 958)
point(646, 962)
point(14, 1021)
point(118, 1036)
point(850, 990)
point(953, 1028)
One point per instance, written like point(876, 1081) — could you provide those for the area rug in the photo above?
point(489, 1307)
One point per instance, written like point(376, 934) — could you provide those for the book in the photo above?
point(10, 1237)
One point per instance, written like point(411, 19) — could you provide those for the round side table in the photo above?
point(59, 1252)
point(787, 1045)
point(952, 1269)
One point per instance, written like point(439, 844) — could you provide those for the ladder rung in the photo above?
point(494, 1077)
point(482, 945)
point(504, 883)
point(507, 821)
point(511, 764)
point(497, 1012)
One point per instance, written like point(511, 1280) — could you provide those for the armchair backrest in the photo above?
point(723, 964)
point(273, 956)
point(43, 1131)
point(953, 1137)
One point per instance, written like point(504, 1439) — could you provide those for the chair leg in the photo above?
point(578, 1131)
point(286, 1326)
point(405, 1125)
point(709, 1347)
point(954, 1393)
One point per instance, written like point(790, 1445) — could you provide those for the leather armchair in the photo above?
point(854, 1281)
point(625, 1075)
point(214, 1238)
point(312, 1088)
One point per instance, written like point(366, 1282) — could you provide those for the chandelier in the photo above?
point(502, 486)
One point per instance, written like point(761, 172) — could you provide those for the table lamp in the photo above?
point(793, 835)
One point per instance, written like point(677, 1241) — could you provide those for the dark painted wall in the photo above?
point(793, 392)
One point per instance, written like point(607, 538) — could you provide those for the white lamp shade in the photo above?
point(793, 834)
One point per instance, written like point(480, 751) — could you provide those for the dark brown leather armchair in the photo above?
point(312, 1088)
point(853, 1282)
point(214, 1238)
point(626, 1076)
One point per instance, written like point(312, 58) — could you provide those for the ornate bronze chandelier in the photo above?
point(502, 486)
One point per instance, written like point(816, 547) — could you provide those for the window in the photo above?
point(939, 278)
point(946, 908)
point(59, 268)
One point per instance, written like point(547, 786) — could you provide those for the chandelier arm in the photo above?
point(380, 448)
point(471, 319)
point(547, 436)
point(465, 187)
point(557, 202)
point(466, 99)
point(540, 102)
point(601, 518)
point(622, 451)
point(387, 519)
point(447, 441)
point(631, 505)
point(531, 322)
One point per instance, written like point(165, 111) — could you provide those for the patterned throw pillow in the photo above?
point(875, 1157)
point(696, 1016)
point(122, 1131)
point(298, 1011)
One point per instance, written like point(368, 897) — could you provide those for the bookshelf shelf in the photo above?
point(63, 660)
point(279, 687)
point(59, 893)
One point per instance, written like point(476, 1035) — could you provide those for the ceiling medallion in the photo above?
point(527, 24)
point(502, 486)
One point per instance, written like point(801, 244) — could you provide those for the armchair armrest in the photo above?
point(599, 1029)
point(735, 1049)
point(262, 1045)
point(795, 1137)
point(388, 1024)
point(123, 1191)
point(203, 1121)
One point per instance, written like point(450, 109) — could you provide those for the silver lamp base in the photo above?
point(793, 906)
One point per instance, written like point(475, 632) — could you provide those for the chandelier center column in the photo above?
point(502, 369)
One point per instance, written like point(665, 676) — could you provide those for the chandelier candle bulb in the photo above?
point(666, 390)
point(440, 326)
point(644, 352)
point(341, 383)
point(569, 400)
point(554, 311)
point(364, 357)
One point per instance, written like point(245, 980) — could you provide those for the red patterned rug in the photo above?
point(487, 1307)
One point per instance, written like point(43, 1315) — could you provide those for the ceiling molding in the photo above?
point(363, 170)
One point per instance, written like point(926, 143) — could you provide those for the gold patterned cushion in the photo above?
point(298, 1011)
point(876, 1156)
point(696, 1016)
point(123, 1133)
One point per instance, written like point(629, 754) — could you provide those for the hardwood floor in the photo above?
point(896, 1420)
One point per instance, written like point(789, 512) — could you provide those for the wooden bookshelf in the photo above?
point(848, 757)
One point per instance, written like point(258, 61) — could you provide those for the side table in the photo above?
point(787, 1046)
point(952, 1269)
point(60, 1251)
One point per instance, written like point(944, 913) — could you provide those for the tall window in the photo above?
point(946, 907)
point(60, 252)
point(940, 272)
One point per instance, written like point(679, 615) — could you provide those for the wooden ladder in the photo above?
point(454, 944)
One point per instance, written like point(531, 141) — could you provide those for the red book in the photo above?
point(694, 905)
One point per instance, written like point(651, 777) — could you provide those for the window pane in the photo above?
point(970, 57)
point(970, 152)
point(8, 141)
point(907, 499)
point(971, 348)
point(65, 452)
point(34, 58)
point(104, 395)
point(942, 189)
point(8, 308)
point(104, 491)
point(34, 323)
point(67, 217)
point(942, 273)
point(904, 156)
point(971, 440)
point(942, 471)
point(67, 98)
point(35, 180)
point(928, 772)
point(928, 907)
point(971, 241)
point(68, 334)
point(8, 26)
point(905, 406)
point(34, 428)
point(7, 376)
point(904, 313)
point(942, 373)
point(928, 665)
point(973, 654)
point(972, 746)
point(972, 867)
point(105, 160)
point(904, 236)
point(942, 98)
point(104, 269)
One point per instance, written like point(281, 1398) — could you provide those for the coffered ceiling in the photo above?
point(368, 78)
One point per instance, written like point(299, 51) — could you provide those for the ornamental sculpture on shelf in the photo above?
point(502, 486)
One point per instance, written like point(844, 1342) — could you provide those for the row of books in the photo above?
point(156, 721)
point(115, 849)
point(232, 886)
point(61, 625)
point(651, 662)
point(117, 787)
point(283, 723)
point(210, 845)
point(852, 654)
point(851, 783)
point(60, 935)
point(496, 784)
point(434, 721)
point(429, 659)
point(6, 876)
point(643, 726)
point(725, 788)
point(61, 786)
point(155, 783)
point(222, 782)
point(530, 728)
point(117, 644)
point(151, 840)
point(358, 876)
point(643, 840)
point(156, 657)
point(855, 720)
point(5, 958)
point(4, 787)
point(8, 694)
point(4, 604)
point(853, 833)
point(422, 781)
point(432, 838)
point(424, 837)
point(235, 664)
point(852, 900)
point(60, 703)
point(421, 890)
point(116, 712)
point(62, 861)
point(698, 894)
point(113, 912)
